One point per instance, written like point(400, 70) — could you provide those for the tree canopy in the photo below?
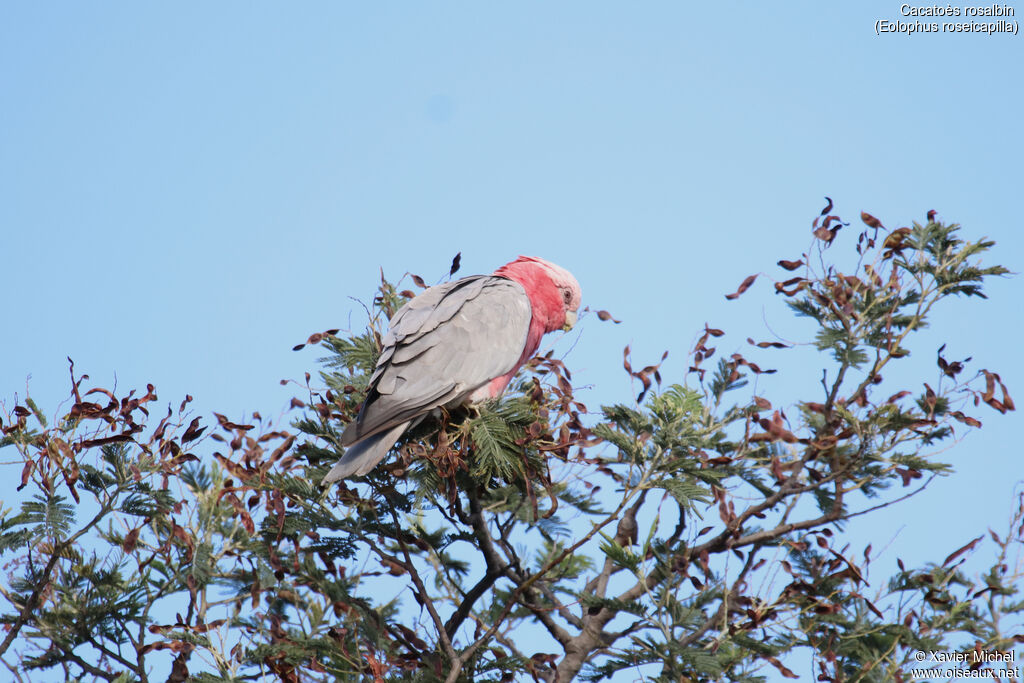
point(694, 532)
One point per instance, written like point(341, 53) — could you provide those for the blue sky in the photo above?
point(188, 190)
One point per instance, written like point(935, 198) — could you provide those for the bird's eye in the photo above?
point(567, 296)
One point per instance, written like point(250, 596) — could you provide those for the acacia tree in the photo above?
point(694, 533)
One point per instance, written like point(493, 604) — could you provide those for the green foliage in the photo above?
point(675, 537)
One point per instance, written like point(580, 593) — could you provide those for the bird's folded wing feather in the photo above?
point(442, 345)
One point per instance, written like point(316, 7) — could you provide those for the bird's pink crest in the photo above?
point(553, 290)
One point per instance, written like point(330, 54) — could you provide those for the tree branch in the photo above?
point(495, 567)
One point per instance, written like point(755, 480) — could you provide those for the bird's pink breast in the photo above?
point(496, 386)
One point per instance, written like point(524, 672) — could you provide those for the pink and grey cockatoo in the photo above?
point(460, 342)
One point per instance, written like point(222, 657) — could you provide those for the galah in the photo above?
point(459, 342)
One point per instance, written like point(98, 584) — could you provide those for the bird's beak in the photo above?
point(570, 320)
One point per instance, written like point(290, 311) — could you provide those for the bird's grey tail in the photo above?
point(363, 456)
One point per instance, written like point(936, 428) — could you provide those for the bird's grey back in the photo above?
point(440, 347)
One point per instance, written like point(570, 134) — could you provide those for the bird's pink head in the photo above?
point(554, 293)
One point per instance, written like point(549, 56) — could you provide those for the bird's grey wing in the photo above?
point(441, 346)
point(420, 316)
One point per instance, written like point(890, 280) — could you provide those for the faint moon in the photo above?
point(440, 108)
